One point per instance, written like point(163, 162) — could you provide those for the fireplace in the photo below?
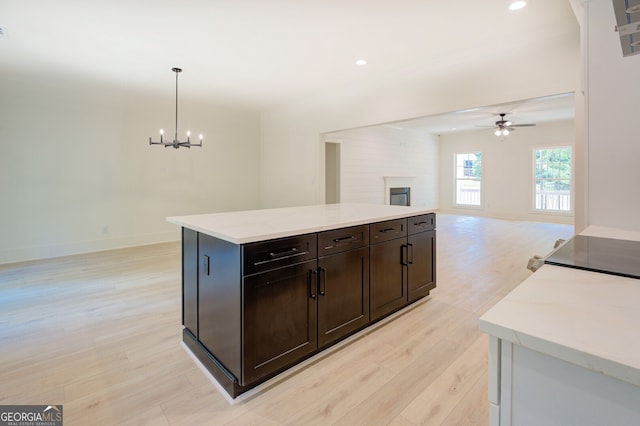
point(397, 190)
point(400, 196)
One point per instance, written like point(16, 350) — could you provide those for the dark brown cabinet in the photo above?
point(290, 311)
point(218, 297)
point(388, 274)
point(280, 317)
point(252, 310)
point(402, 262)
point(343, 283)
point(421, 273)
point(279, 305)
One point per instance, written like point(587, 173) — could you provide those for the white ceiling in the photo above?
point(538, 110)
point(259, 53)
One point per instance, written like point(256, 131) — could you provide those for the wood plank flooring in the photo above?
point(100, 333)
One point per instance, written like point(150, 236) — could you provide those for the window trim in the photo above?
point(455, 180)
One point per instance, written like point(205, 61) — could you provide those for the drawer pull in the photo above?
point(344, 239)
point(288, 254)
point(421, 223)
point(385, 230)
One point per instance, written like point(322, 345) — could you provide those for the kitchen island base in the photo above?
point(234, 393)
point(253, 310)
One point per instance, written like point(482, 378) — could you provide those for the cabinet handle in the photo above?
point(311, 282)
point(322, 281)
point(424, 222)
point(404, 254)
point(385, 230)
point(294, 252)
point(344, 239)
point(205, 265)
point(410, 260)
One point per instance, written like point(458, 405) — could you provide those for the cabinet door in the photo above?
point(280, 319)
point(421, 260)
point(343, 294)
point(388, 279)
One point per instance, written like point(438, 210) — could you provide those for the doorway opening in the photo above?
point(332, 172)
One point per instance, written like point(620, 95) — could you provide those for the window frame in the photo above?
point(481, 180)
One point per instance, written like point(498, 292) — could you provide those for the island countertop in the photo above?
point(586, 318)
point(259, 225)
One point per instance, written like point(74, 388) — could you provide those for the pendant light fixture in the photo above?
point(176, 142)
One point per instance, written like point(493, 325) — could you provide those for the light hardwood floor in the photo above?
point(100, 333)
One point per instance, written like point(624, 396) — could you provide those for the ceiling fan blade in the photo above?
point(523, 125)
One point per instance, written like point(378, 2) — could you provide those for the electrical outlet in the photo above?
point(105, 229)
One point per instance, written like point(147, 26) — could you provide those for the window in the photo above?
point(552, 173)
point(468, 178)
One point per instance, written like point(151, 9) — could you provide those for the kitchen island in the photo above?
point(263, 290)
point(564, 347)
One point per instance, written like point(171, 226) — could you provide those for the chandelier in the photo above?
point(176, 143)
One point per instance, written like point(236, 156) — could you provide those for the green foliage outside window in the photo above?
point(553, 169)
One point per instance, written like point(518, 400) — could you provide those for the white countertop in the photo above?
point(259, 225)
point(586, 318)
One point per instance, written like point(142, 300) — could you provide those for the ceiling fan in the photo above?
point(504, 127)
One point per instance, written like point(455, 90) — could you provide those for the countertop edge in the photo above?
point(272, 231)
point(563, 352)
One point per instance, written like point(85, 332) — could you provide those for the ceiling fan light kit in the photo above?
point(504, 126)
point(176, 143)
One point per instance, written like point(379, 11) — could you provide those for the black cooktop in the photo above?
point(606, 255)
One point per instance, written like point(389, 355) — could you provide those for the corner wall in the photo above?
point(613, 128)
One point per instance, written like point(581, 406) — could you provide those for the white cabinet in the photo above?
point(564, 349)
point(527, 387)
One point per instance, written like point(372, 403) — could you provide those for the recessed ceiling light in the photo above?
point(517, 5)
point(361, 62)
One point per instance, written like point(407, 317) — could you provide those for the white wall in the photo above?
point(292, 168)
point(507, 186)
point(613, 126)
point(369, 154)
point(77, 173)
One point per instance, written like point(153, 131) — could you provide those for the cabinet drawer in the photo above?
point(388, 230)
point(343, 239)
point(273, 254)
point(424, 222)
